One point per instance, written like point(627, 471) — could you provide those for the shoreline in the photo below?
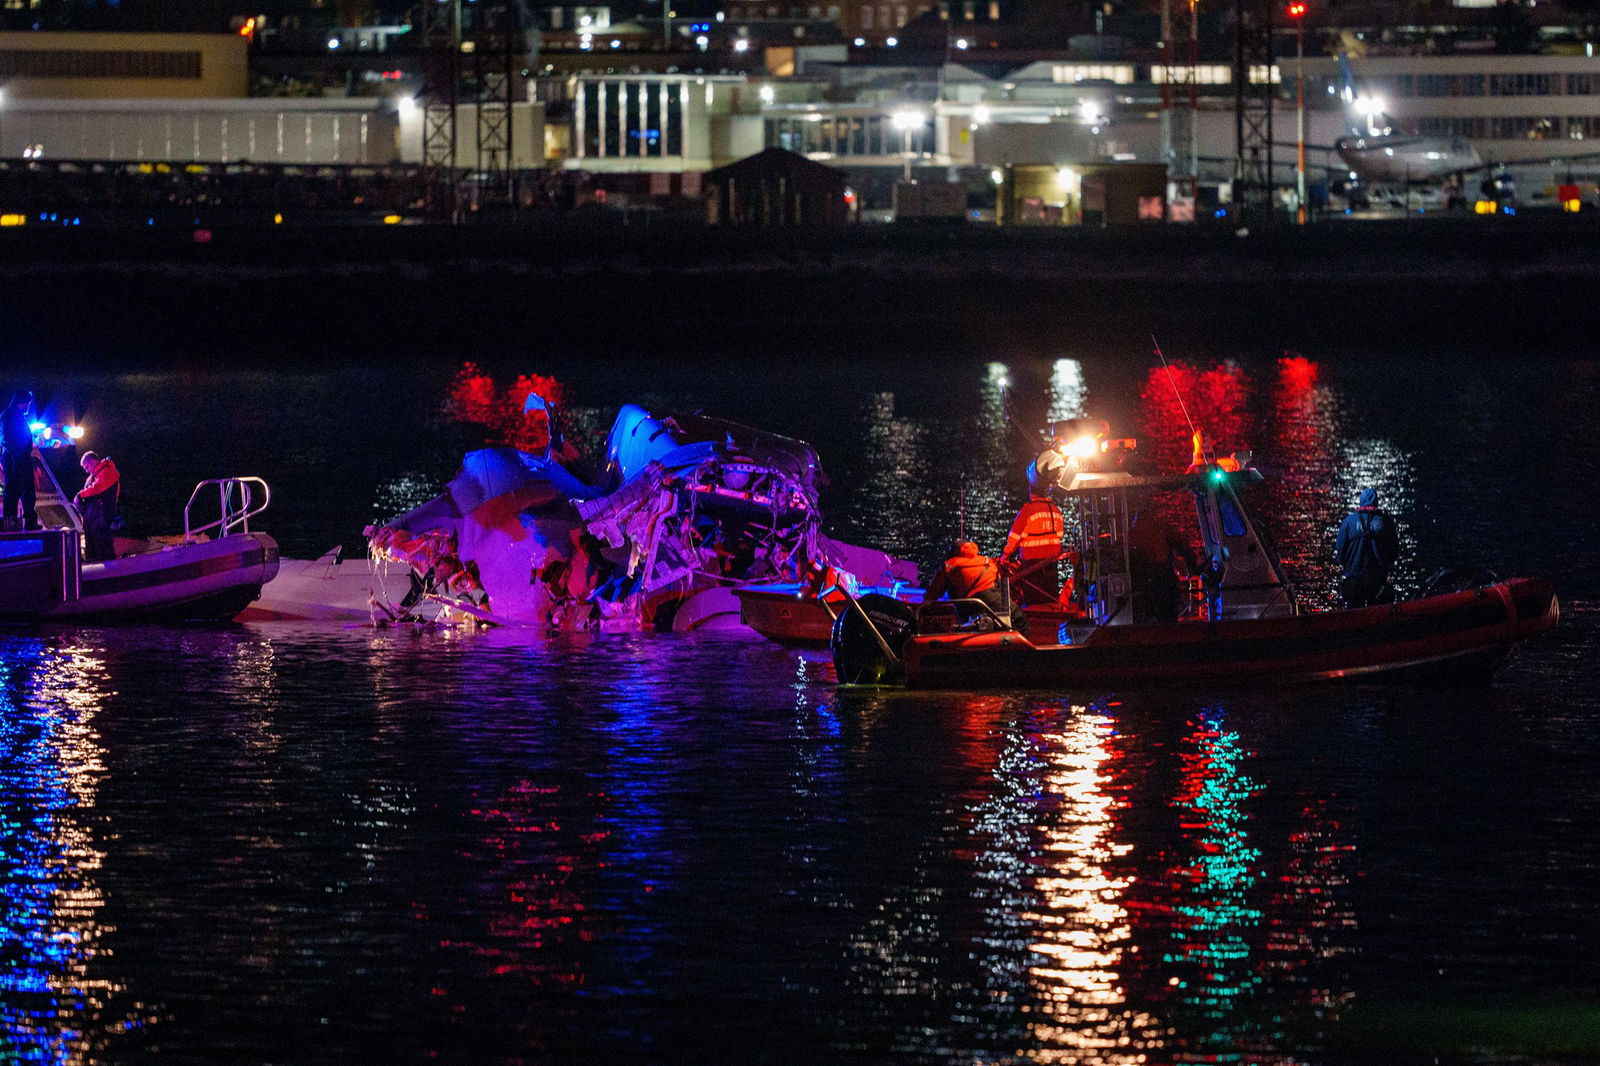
point(1431, 286)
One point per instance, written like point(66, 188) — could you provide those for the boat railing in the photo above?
point(237, 503)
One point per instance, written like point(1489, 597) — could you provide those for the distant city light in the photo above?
point(961, 43)
point(861, 42)
point(892, 41)
point(981, 115)
point(333, 44)
point(768, 94)
point(741, 45)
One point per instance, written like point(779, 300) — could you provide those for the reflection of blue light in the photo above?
point(45, 933)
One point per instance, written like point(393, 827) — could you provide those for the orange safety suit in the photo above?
point(965, 575)
point(1036, 534)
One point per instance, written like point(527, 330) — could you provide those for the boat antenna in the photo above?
point(1174, 383)
point(961, 513)
point(1012, 421)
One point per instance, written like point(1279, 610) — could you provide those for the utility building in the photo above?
point(776, 188)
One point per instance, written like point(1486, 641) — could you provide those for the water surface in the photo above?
point(318, 844)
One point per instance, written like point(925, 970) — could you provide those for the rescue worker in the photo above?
point(1032, 548)
point(98, 503)
point(16, 451)
point(1367, 545)
point(968, 575)
point(1154, 549)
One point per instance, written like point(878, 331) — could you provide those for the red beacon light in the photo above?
point(1297, 10)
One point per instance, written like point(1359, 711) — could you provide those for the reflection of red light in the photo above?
point(474, 397)
point(1297, 372)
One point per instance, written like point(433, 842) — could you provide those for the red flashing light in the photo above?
point(248, 28)
point(1297, 10)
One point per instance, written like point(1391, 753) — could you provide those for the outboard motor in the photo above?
point(858, 656)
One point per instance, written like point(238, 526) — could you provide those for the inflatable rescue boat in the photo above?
point(1243, 625)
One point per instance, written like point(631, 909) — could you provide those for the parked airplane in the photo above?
point(1377, 155)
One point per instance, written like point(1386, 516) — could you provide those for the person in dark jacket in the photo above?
point(16, 451)
point(1154, 551)
point(1367, 545)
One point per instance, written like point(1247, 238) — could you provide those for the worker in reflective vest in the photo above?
point(1036, 534)
point(1034, 543)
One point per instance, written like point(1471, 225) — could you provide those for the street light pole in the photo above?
point(1297, 11)
point(906, 121)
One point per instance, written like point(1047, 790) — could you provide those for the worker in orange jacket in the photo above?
point(98, 502)
point(967, 575)
point(1032, 547)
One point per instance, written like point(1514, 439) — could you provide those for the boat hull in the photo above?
point(324, 590)
point(1460, 637)
point(782, 613)
point(209, 581)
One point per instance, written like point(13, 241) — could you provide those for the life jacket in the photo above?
point(1036, 534)
point(967, 575)
point(104, 485)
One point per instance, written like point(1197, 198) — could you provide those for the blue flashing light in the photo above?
point(149, 222)
point(38, 427)
point(1511, 210)
point(1221, 212)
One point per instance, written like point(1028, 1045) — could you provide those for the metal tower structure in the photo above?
point(496, 39)
point(472, 55)
point(1180, 104)
point(1254, 90)
point(440, 22)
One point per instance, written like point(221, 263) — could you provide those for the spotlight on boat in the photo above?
point(1085, 447)
point(74, 432)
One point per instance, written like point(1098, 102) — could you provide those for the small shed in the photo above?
point(776, 187)
point(1087, 194)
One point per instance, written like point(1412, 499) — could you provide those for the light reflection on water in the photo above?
point(321, 845)
point(55, 998)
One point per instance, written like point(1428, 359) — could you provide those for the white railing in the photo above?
point(236, 503)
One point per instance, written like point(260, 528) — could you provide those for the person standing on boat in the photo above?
point(16, 450)
point(1154, 549)
point(97, 503)
point(1367, 545)
point(1034, 544)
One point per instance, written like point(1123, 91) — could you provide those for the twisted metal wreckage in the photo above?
point(686, 508)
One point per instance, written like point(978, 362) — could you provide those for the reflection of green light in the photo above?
point(1212, 936)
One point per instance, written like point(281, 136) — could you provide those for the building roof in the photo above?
point(777, 161)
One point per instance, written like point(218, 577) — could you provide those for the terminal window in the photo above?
point(73, 63)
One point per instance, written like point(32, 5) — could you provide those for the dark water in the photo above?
point(285, 844)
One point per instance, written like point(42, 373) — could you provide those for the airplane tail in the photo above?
point(1347, 93)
